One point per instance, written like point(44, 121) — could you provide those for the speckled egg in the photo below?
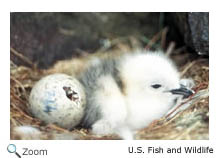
point(58, 99)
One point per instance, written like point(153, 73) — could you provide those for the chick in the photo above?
point(126, 94)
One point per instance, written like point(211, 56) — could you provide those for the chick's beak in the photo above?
point(182, 91)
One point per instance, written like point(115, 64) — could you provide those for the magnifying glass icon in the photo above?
point(12, 149)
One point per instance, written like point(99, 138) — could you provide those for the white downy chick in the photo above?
point(126, 94)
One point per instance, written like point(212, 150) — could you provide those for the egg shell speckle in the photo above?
point(50, 103)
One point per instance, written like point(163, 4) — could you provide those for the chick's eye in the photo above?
point(156, 86)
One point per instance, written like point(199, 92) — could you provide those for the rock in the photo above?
point(199, 26)
point(45, 38)
point(192, 28)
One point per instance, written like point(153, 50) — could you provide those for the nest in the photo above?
point(190, 122)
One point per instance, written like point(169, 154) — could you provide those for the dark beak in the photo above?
point(182, 91)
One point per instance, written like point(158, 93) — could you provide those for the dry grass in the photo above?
point(191, 122)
